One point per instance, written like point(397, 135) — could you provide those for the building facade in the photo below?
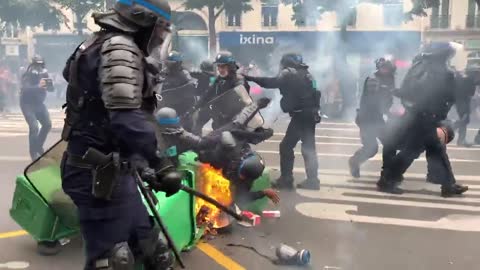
point(459, 21)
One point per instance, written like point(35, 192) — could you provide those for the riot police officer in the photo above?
point(179, 88)
point(227, 148)
point(34, 86)
point(375, 102)
point(427, 95)
point(301, 100)
point(110, 104)
point(228, 94)
point(205, 77)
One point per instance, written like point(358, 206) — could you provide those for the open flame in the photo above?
point(211, 182)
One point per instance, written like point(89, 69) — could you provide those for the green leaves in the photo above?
point(81, 7)
point(229, 5)
point(30, 13)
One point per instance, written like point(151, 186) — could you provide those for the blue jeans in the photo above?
point(35, 114)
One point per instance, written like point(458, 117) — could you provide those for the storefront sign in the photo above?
point(256, 39)
point(12, 50)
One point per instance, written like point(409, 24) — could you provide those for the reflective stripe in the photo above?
point(168, 121)
point(150, 6)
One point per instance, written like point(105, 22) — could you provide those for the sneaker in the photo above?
point(283, 183)
point(311, 184)
point(453, 190)
point(354, 168)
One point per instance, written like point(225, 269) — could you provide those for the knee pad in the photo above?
point(156, 253)
point(121, 258)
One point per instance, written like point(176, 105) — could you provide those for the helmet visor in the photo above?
point(160, 40)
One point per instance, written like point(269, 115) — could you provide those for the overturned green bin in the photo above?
point(47, 214)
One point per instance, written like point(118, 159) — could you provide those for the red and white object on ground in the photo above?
point(254, 219)
point(271, 214)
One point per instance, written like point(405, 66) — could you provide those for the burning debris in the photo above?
point(211, 182)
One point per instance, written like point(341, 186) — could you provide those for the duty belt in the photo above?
point(79, 162)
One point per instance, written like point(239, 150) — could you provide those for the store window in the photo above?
point(270, 14)
point(234, 18)
point(473, 18)
point(441, 15)
point(393, 13)
point(349, 17)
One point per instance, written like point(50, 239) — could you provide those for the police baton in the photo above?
point(211, 200)
point(150, 201)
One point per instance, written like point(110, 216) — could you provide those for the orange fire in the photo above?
point(211, 182)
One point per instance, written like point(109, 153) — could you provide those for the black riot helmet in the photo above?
point(38, 64)
point(37, 60)
point(207, 67)
point(148, 20)
point(226, 59)
point(438, 51)
point(174, 61)
point(292, 60)
point(385, 64)
point(252, 167)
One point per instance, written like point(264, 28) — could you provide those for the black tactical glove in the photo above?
point(169, 182)
point(263, 103)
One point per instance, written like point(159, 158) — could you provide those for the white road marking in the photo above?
point(15, 265)
point(341, 190)
point(380, 146)
point(343, 212)
point(346, 173)
point(385, 199)
point(377, 157)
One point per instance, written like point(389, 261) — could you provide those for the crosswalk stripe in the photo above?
point(380, 146)
point(377, 157)
point(346, 173)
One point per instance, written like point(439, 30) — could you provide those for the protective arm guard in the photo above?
point(272, 82)
point(121, 73)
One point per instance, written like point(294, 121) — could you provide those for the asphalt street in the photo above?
point(346, 225)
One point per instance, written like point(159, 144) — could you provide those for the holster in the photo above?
point(106, 170)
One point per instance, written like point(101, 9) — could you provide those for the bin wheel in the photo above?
point(49, 248)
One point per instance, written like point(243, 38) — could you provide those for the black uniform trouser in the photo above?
point(301, 128)
point(369, 132)
point(104, 224)
point(462, 127)
point(34, 114)
point(477, 137)
point(422, 137)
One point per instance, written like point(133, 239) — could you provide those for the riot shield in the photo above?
point(44, 176)
point(232, 102)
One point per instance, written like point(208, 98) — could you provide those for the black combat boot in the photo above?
point(389, 185)
point(354, 167)
point(284, 182)
point(453, 190)
point(311, 184)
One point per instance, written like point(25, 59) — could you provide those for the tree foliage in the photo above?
point(81, 8)
point(215, 9)
point(30, 13)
